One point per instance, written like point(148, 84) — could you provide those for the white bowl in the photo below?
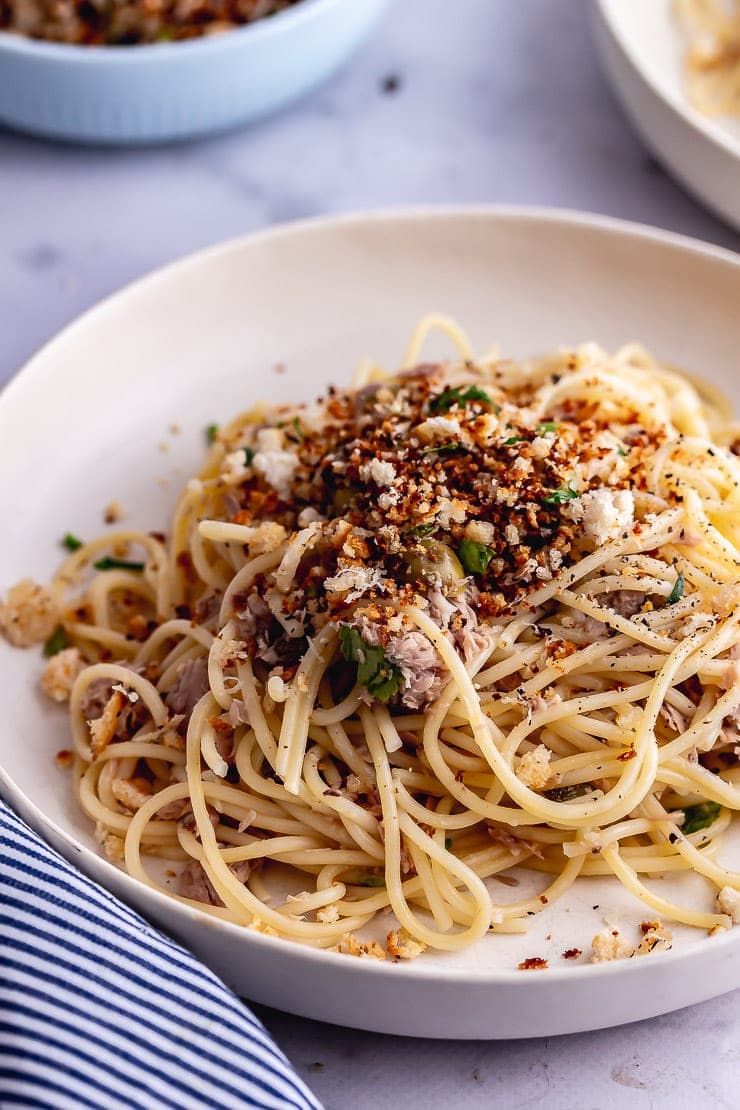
point(177, 90)
point(198, 341)
point(642, 51)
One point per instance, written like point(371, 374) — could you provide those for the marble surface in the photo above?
point(474, 101)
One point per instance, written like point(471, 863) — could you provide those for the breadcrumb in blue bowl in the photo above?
point(166, 90)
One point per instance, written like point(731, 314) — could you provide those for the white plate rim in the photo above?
point(704, 126)
point(93, 864)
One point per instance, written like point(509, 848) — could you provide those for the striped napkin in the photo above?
point(98, 1009)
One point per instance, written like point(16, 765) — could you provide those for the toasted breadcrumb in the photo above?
point(610, 945)
point(728, 901)
point(131, 793)
point(328, 916)
point(64, 759)
point(350, 946)
point(113, 512)
point(60, 674)
point(103, 729)
point(267, 537)
point(29, 614)
point(533, 769)
point(402, 945)
point(654, 936)
point(480, 531)
point(112, 845)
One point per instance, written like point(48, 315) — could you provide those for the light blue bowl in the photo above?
point(151, 93)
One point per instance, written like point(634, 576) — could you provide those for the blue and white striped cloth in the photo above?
point(100, 1010)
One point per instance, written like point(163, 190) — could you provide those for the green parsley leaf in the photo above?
point(458, 395)
point(568, 793)
point(370, 880)
point(375, 672)
point(677, 592)
point(512, 440)
point(422, 530)
point(211, 433)
point(621, 452)
point(351, 643)
point(700, 816)
point(475, 557)
point(448, 842)
point(296, 425)
point(444, 449)
point(560, 496)
point(72, 543)
point(248, 455)
point(547, 426)
point(57, 642)
point(109, 563)
point(387, 678)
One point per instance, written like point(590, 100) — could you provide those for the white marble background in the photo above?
point(489, 100)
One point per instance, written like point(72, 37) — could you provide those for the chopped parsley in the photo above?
point(375, 672)
point(545, 426)
point(423, 530)
point(475, 557)
point(561, 495)
point(72, 543)
point(110, 563)
point(700, 816)
point(448, 842)
point(621, 452)
point(296, 425)
point(57, 642)
point(370, 880)
point(458, 395)
point(248, 455)
point(211, 433)
point(444, 449)
point(568, 793)
point(677, 592)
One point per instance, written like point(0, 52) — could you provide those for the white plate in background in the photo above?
point(642, 50)
point(194, 343)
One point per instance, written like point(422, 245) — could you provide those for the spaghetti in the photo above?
point(712, 28)
point(470, 616)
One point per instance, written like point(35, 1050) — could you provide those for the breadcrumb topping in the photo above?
point(29, 613)
point(655, 937)
point(533, 768)
point(112, 846)
point(103, 728)
point(60, 674)
point(351, 946)
point(728, 901)
point(401, 945)
point(610, 945)
point(443, 487)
